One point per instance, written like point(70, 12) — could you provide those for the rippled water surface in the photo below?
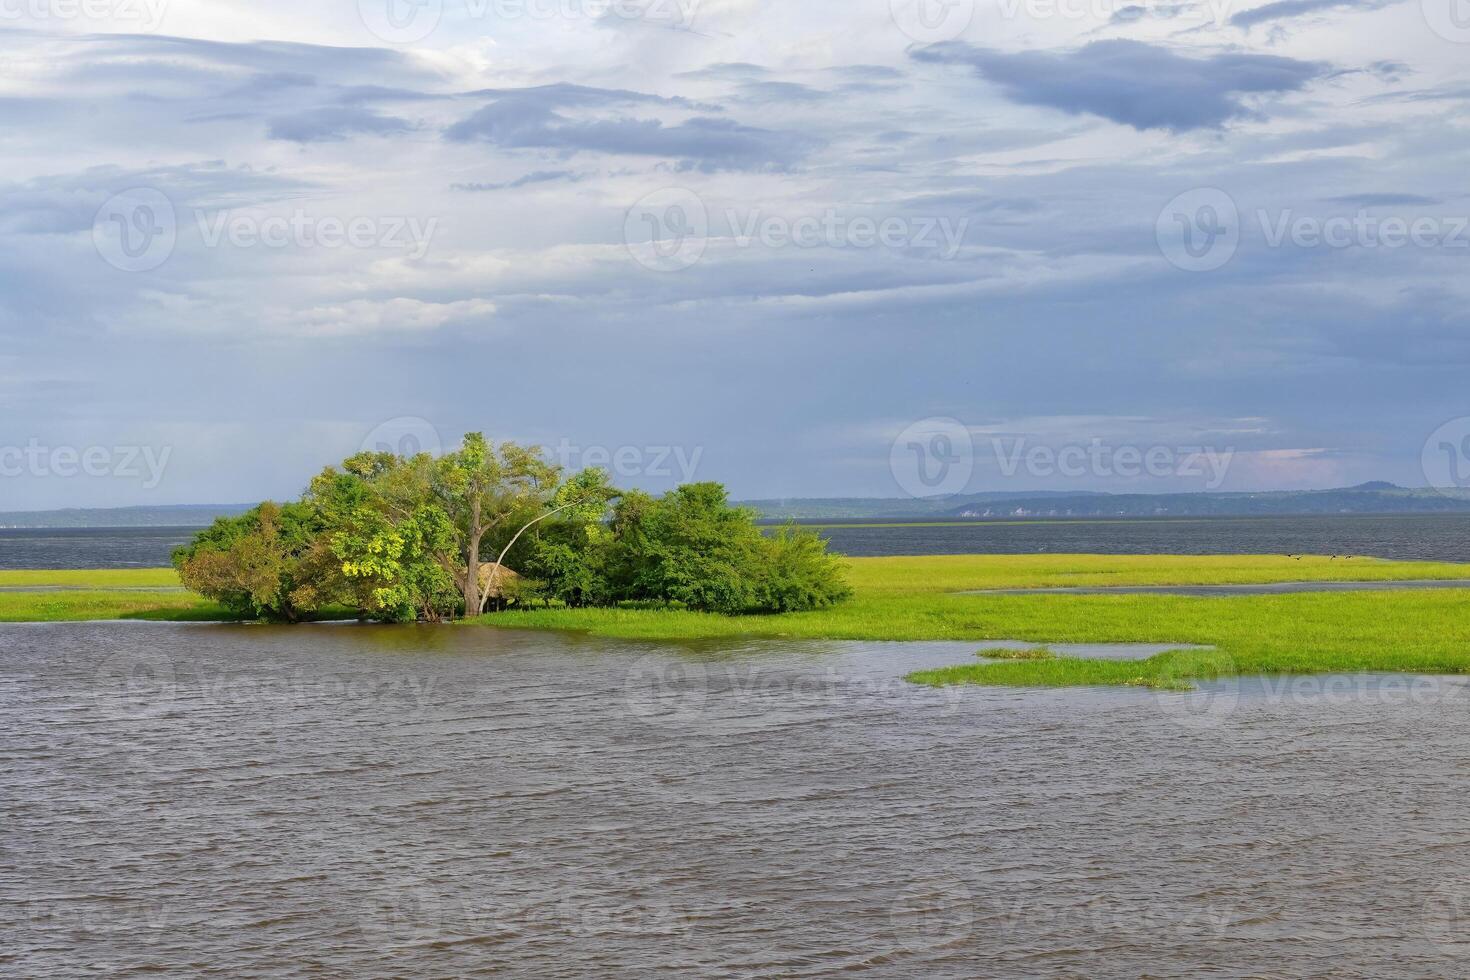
point(1422, 537)
point(91, 547)
point(335, 800)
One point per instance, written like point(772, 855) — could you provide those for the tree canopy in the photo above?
point(403, 538)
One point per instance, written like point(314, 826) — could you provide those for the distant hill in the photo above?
point(1369, 498)
point(859, 508)
point(182, 515)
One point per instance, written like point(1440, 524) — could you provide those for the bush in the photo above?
point(691, 547)
point(795, 573)
point(269, 563)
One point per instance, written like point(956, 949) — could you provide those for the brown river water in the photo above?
point(332, 801)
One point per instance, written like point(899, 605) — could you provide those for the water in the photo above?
point(374, 801)
point(91, 547)
point(1438, 537)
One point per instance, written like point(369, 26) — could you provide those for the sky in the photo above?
point(868, 247)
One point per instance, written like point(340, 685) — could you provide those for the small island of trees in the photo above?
point(489, 527)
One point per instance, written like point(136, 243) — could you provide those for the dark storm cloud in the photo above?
point(334, 123)
point(1136, 12)
point(737, 71)
point(534, 177)
point(1446, 93)
point(531, 119)
point(867, 73)
point(68, 203)
point(1130, 82)
point(260, 56)
point(975, 204)
point(780, 92)
point(1382, 200)
point(1285, 9)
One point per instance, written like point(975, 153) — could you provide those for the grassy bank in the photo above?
point(101, 594)
point(915, 599)
point(101, 578)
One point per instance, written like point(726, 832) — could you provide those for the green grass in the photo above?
point(916, 599)
point(79, 606)
point(132, 578)
point(98, 594)
point(1025, 653)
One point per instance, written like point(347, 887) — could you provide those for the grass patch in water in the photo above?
point(1022, 653)
point(1172, 671)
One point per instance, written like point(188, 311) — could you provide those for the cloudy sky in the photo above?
point(862, 247)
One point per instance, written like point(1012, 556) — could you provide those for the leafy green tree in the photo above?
point(398, 562)
point(393, 541)
point(269, 562)
point(569, 553)
point(400, 539)
point(486, 489)
point(695, 550)
point(691, 547)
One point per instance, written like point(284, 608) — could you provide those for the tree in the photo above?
point(698, 551)
point(484, 488)
point(394, 544)
point(693, 548)
point(400, 539)
point(269, 562)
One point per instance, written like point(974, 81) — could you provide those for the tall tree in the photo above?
point(395, 545)
point(485, 488)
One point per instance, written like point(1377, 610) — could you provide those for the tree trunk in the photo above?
point(472, 561)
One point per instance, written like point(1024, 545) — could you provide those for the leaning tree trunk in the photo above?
point(472, 562)
point(493, 584)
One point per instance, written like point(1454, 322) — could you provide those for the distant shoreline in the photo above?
point(901, 522)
